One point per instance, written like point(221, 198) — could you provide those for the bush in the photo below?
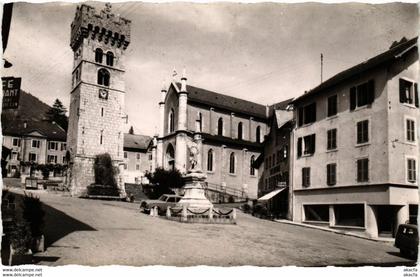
point(246, 208)
point(231, 199)
point(105, 172)
point(17, 174)
point(164, 181)
point(33, 213)
point(20, 237)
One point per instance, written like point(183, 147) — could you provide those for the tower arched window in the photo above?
point(232, 163)
point(220, 127)
point(103, 77)
point(210, 160)
point(258, 134)
point(98, 55)
point(171, 123)
point(251, 166)
point(240, 130)
point(110, 58)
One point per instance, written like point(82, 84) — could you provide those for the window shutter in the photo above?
point(313, 144)
point(403, 98)
point(300, 123)
point(416, 96)
point(303, 177)
point(352, 98)
point(299, 147)
point(314, 112)
point(371, 91)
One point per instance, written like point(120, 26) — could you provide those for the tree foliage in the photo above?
point(57, 113)
point(131, 131)
point(105, 171)
point(164, 181)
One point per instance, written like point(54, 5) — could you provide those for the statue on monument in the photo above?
point(194, 165)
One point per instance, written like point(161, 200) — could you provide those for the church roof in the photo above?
point(136, 142)
point(225, 102)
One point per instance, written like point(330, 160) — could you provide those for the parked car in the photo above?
point(407, 240)
point(162, 203)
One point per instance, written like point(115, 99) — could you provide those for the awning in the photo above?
point(270, 195)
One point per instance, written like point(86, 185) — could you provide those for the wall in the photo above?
point(347, 151)
point(398, 147)
point(230, 123)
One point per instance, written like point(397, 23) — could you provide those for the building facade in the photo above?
point(137, 157)
point(33, 142)
point(274, 167)
point(356, 149)
point(232, 131)
point(99, 41)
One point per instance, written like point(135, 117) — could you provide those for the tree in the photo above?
point(131, 131)
point(164, 181)
point(57, 113)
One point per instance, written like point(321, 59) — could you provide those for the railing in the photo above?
point(194, 215)
point(226, 190)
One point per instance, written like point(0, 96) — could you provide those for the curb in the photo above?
point(332, 231)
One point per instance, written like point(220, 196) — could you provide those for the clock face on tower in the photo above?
point(103, 94)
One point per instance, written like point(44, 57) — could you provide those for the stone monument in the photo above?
point(194, 197)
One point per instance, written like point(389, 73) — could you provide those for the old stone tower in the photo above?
point(98, 40)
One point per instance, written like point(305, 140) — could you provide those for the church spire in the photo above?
point(184, 81)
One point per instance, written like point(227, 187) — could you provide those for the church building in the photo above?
point(232, 131)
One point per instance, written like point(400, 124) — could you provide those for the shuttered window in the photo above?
point(332, 105)
point(411, 132)
point(331, 174)
point(411, 170)
point(306, 145)
point(363, 170)
point(307, 114)
point(363, 94)
point(331, 139)
point(306, 176)
point(409, 93)
point(363, 131)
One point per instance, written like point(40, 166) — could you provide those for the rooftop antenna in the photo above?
point(322, 64)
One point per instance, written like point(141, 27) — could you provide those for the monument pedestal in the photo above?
point(194, 197)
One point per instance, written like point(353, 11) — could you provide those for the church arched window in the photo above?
point(199, 122)
point(103, 77)
point(232, 163)
point(251, 166)
point(220, 127)
point(109, 58)
point(98, 55)
point(171, 123)
point(210, 160)
point(258, 134)
point(240, 130)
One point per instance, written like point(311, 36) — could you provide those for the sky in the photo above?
point(265, 52)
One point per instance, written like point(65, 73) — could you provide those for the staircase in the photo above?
point(224, 194)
